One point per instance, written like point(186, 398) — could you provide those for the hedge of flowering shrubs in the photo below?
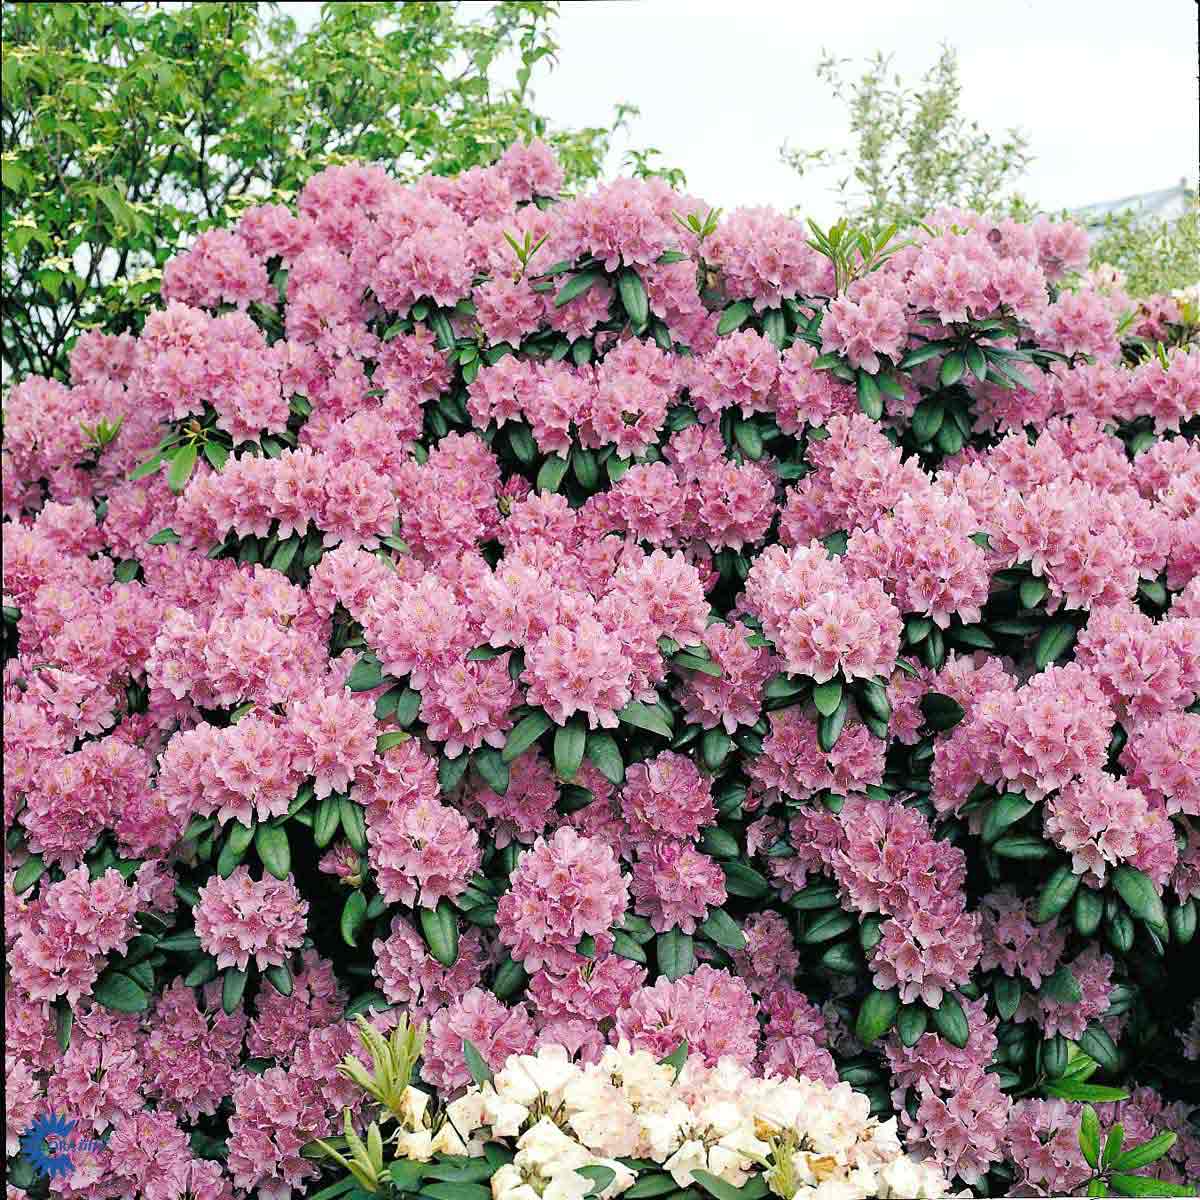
point(600, 696)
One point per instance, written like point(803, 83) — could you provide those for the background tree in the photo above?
point(128, 128)
point(1156, 254)
point(912, 148)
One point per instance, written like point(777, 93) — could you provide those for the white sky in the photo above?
point(1106, 90)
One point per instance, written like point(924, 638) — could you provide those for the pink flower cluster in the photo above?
point(240, 918)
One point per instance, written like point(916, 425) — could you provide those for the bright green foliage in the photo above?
point(1155, 254)
point(128, 128)
point(913, 149)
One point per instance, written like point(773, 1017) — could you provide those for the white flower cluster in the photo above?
point(809, 1141)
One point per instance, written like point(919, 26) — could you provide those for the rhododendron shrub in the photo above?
point(718, 698)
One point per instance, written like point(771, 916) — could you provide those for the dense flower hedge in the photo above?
point(684, 651)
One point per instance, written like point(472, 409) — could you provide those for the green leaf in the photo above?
point(1054, 642)
point(326, 821)
point(876, 1015)
point(924, 353)
point(676, 1058)
point(633, 296)
point(953, 366)
point(1138, 891)
point(440, 928)
point(493, 770)
point(1057, 893)
point(1089, 1135)
point(675, 953)
point(28, 873)
point(1022, 848)
point(182, 463)
point(280, 978)
point(642, 716)
point(950, 1021)
point(657, 1183)
point(715, 746)
point(1137, 1157)
point(1004, 811)
point(459, 1170)
point(455, 1191)
point(911, 1023)
point(600, 1176)
point(941, 712)
point(626, 947)
point(551, 473)
point(714, 1185)
point(120, 993)
point(353, 822)
point(1088, 911)
point(394, 737)
point(827, 696)
point(233, 987)
point(692, 662)
point(179, 942)
point(1062, 986)
point(748, 437)
point(741, 880)
point(354, 913)
point(405, 1174)
point(870, 399)
point(216, 454)
point(451, 771)
point(827, 927)
point(721, 928)
point(271, 842)
point(1068, 1089)
point(1007, 993)
point(576, 286)
point(569, 743)
point(1146, 1185)
point(481, 1073)
point(829, 728)
point(602, 750)
point(523, 734)
point(164, 537)
point(1032, 592)
point(734, 316)
point(285, 553)
point(366, 675)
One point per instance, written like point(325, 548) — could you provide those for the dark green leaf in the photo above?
point(354, 913)
point(1054, 642)
point(119, 992)
point(440, 928)
point(1139, 892)
point(274, 853)
point(602, 750)
point(941, 712)
point(733, 316)
point(576, 286)
point(643, 716)
point(524, 734)
point(569, 743)
point(675, 953)
point(182, 463)
point(492, 768)
point(721, 928)
point(950, 1021)
point(1137, 1157)
point(876, 1014)
point(481, 1073)
point(233, 987)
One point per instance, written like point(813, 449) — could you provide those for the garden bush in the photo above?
point(562, 691)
